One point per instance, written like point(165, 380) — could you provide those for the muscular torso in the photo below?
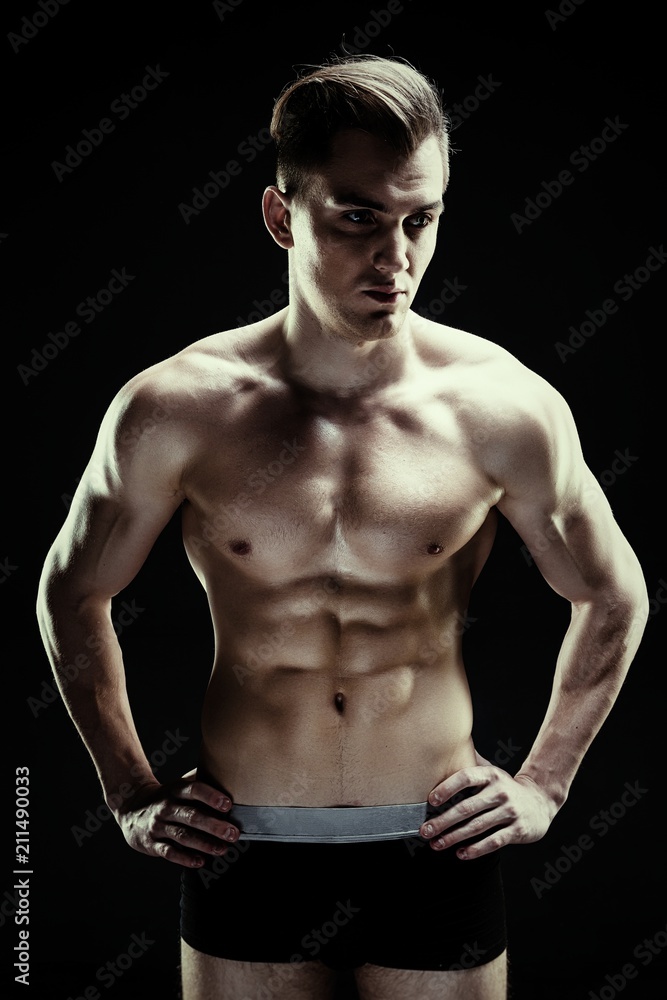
point(338, 541)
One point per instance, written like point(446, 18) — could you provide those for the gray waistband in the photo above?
point(330, 824)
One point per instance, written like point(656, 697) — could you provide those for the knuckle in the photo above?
point(155, 823)
point(184, 814)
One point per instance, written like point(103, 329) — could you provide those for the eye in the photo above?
point(420, 221)
point(359, 216)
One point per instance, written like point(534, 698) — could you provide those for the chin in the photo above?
point(378, 325)
point(384, 327)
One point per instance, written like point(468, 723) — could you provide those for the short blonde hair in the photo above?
point(386, 97)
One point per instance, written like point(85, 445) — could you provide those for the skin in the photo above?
point(339, 468)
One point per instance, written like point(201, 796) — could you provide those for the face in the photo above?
point(362, 235)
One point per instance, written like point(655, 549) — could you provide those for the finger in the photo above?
point(169, 851)
point(498, 839)
point(203, 792)
point(190, 838)
point(467, 777)
point(190, 817)
point(474, 827)
point(472, 806)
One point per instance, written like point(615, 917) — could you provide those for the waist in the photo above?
point(332, 824)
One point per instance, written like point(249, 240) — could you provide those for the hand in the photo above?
point(514, 808)
point(180, 821)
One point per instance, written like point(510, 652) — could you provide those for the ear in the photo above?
point(276, 210)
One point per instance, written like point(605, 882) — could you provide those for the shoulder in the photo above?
point(204, 375)
point(500, 386)
point(517, 421)
point(153, 424)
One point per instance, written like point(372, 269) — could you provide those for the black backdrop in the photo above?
point(548, 82)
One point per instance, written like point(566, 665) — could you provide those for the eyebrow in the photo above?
point(361, 201)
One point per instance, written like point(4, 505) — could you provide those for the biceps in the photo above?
point(104, 543)
point(576, 546)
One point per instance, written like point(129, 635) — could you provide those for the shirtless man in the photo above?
point(339, 467)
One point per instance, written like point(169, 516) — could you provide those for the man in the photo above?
point(338, 467)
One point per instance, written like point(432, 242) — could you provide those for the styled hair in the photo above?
point(388, 98)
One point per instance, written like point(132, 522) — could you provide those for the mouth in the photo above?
point(383, 294)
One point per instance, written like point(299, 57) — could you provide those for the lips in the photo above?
point(383, 293)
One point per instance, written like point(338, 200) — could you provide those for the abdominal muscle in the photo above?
point(315, 713)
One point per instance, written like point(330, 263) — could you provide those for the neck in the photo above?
point(323, 361)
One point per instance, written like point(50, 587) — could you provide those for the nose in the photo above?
point(391, 251)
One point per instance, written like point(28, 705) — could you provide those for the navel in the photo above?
point(434, 548)
point(339, 702)
point(240, 547)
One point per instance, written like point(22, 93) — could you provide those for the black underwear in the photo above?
point(397, 903)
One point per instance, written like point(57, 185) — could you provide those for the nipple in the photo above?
point(240, 547)
point(433, 549)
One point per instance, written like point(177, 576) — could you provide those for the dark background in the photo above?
point(554, 86)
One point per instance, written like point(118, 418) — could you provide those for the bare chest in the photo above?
point(287, 491)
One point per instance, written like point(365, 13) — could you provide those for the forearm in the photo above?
point(594, 659)
point(95, 694)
